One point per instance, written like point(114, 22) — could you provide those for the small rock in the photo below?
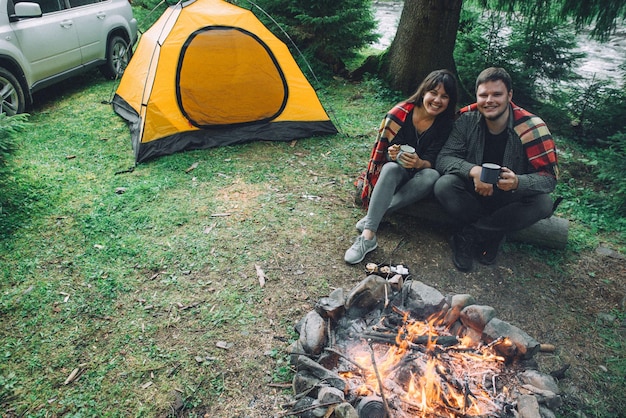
point(607, 318)
point(540, 380)
point(345, 410)
point(608, 252)
point(528, 407)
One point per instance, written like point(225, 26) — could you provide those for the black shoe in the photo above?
point(463, 250)
point(488, 249)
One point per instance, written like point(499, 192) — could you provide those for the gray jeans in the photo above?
point(396, 188)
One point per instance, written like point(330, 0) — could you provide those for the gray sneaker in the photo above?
point(360, 226)
point(359, 249)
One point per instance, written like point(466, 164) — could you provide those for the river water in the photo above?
point(602, 60)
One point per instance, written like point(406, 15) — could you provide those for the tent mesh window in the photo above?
point(223, 73)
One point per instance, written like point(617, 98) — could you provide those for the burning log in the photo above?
point(441, 340)
point(310, 373)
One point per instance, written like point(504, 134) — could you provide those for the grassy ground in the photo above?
point(136, 293)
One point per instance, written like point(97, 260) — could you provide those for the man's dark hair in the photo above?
point(494, 74)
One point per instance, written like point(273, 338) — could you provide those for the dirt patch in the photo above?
point(559, 305)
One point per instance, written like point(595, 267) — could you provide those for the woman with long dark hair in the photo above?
point(423, 123)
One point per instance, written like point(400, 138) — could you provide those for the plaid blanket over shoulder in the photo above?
point(536, 139)
point(389, 127)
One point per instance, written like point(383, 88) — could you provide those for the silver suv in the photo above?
point(45, 41)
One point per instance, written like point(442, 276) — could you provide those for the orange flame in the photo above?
point(430, 380)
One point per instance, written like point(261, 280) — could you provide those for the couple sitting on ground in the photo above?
point(447, 161)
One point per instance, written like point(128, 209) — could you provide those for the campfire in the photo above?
point(395, 347)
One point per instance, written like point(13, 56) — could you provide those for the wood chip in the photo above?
point(192, 305)
point(208, 229)
point(72, 376)
point(146, 385)
point(192, 167)
point(260, 274)
point(223, 345)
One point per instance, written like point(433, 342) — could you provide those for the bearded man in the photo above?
point(519, 145)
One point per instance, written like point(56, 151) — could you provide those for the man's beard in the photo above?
point(498, 116)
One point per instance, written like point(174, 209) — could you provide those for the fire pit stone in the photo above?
point(345, 410)
point(543, 387)
point(422, 300)
point(477, 316)
point(332, 306)
point(524, 345)
point(312, 330)
point(366, 296)
point(528, 407)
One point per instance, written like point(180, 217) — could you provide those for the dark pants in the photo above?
point(500, 213)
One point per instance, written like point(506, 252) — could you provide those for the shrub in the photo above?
point(597, 110)
point(328, 32)
point(611, 170)
point(9, 126)
point(535, 51)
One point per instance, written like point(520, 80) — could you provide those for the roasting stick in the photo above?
point(380, 382)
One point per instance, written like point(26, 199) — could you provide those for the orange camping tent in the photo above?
point(208, 74)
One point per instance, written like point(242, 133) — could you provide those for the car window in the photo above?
point(77, 3)
point(48, 6)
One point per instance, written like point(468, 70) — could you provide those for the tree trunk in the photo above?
point(424, 42)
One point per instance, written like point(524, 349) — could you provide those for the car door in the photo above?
point(50, 42)
point(90, 17)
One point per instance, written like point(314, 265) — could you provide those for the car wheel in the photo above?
point(118, 56)
point(12, 99)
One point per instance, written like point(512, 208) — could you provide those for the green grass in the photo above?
point(134, 289)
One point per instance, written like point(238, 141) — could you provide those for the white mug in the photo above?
point(404, 148)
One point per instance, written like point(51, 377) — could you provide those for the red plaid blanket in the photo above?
point(387, 131)
point(536, 139)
